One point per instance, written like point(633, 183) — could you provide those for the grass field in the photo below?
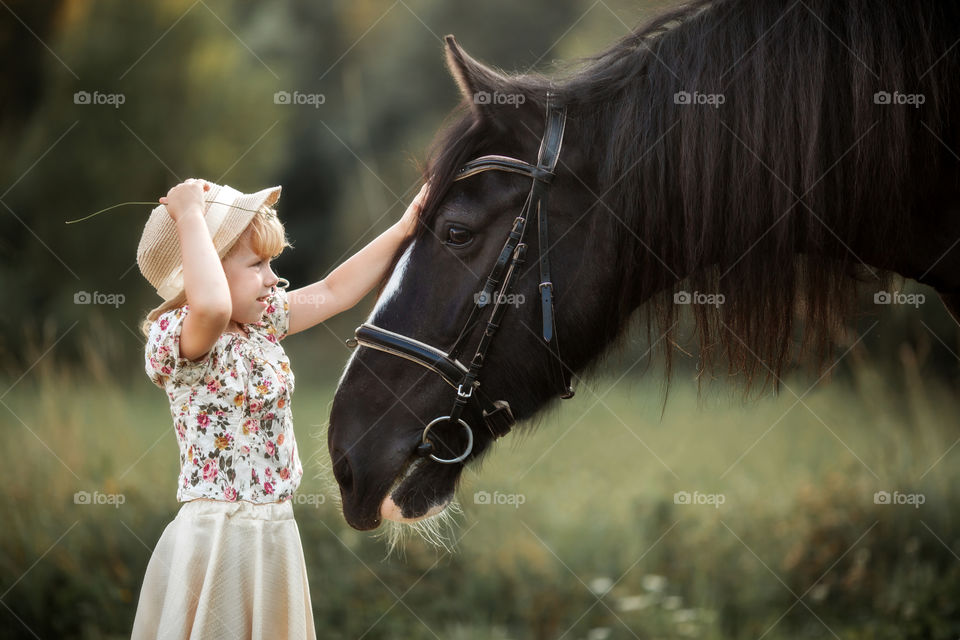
point(720, 520)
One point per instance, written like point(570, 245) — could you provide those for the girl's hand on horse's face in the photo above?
point(409, 220)
point(183, 196)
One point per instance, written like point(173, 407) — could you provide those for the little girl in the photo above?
point(231, 563)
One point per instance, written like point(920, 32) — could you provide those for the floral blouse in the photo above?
point(231, 409)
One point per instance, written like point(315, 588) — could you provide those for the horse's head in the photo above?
point(384, 402)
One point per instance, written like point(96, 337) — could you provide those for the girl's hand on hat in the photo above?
point(184, 197)
point(408, 223)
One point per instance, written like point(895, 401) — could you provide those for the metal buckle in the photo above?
point(463, 395)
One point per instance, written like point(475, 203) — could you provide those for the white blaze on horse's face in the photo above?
point(393, 284)
point(389, 292)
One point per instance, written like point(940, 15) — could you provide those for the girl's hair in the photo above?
point(267, 239)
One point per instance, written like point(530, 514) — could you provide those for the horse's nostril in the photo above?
point(343, 472)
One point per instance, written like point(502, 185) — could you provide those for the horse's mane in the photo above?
point(710, 192)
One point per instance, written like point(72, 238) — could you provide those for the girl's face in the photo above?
point(250, 278)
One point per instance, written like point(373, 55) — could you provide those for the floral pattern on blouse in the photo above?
point(231, 408)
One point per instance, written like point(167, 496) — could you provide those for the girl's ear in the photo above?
point(481, 86)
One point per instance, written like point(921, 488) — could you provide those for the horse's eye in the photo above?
point(458, 236)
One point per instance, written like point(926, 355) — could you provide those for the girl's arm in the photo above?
point(347, 285)
point(204, 281)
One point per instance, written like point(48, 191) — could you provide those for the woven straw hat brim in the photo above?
point(227, 212)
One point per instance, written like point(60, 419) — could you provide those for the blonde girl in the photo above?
point(231, 564)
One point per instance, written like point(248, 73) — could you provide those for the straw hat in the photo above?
point(227, 213)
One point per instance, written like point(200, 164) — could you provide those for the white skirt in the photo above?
point(227, 570)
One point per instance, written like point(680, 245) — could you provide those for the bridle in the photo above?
point(497, 415)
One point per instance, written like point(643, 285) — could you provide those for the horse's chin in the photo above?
point(396, 509)
point(390, 510)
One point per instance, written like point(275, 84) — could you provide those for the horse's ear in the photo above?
point(477, 81)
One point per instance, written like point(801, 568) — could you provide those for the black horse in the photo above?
point(777, 153)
